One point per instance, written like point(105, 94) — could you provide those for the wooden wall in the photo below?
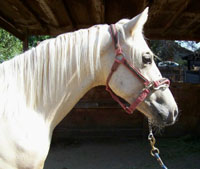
point(97, 115)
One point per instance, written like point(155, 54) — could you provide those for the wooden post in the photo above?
point(25, 43)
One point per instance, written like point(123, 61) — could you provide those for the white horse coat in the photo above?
point(39, 87)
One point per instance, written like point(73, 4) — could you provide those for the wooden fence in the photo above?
point(97, 115)
point(175, 74)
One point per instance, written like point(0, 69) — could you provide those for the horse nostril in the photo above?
point(175, 113)
point(170, 118)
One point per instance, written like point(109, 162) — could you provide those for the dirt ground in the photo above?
point(179, 153)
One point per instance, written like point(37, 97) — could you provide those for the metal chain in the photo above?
point(154, 151)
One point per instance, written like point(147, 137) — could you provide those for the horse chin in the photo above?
point(157, 120)
point(156, 114)
point(158, 123)
point(153, 115)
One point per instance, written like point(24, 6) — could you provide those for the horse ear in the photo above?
point(136, 23)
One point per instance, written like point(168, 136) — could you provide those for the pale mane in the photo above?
point(41, 70)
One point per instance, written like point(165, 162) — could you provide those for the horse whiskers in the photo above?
point(156, 127)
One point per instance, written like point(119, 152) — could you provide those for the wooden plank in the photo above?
point(8, 26)
point(59, 10)
point(98, 105)
point(97, 10)
point(69, 14)
point(80, 11)
point(107, 117)
point(21, 16)
point(33, 13)
point(58, 16)
point(54, 31)
point(119, 9)
point(25, 43)
point(80, 133)
point(84, 123)
point(48, 11)
point(176, 15)
point(171, 36)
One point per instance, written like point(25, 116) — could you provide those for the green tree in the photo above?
point(34, 40)
point(9, 45)
point(170, 50)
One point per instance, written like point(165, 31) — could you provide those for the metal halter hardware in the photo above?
point(149, 86)
point(155, 151)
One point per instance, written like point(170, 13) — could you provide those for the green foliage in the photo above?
point(34, 40)
point(9, 46)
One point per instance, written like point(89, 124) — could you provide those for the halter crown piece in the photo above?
point(149, 86)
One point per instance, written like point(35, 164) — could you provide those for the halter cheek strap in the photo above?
point(121, 60)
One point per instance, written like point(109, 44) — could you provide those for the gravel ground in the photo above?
point(181, 153)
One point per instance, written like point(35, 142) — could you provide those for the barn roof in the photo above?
point(168, 19)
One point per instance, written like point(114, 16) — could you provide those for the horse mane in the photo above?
point(38, 72)
point(43, 70)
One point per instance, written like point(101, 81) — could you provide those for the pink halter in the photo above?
point(148, 85)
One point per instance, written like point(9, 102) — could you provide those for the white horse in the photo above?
point(39, 87)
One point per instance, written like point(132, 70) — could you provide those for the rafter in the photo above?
point(8, 26)
point(54, 31)
point(153, 34)
point(47, 10)
point(97, 8)
point(73, 22)
point(33, 13)
point(195, 20)
point(175, 16)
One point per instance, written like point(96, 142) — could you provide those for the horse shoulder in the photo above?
point(24, 141)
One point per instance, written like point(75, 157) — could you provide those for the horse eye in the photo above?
point(147, 58)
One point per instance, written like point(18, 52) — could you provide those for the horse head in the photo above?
point(131, 73)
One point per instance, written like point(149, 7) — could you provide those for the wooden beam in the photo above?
point(54, 31)
point(195, 20)
point(197, 27)
point(33, 13)
point(8, 26)
point(154, 34)
point(25, 44)
point(47, 10)
point(73, 22)
point(175, 16)
point(99, 104)
point(97, 10)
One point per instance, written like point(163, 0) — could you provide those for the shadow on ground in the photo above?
point(181, 153)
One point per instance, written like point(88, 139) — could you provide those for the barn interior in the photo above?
point(96, 115)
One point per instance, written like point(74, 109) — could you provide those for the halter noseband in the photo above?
point(148, 85)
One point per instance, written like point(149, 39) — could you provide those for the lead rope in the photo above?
point(154, 151)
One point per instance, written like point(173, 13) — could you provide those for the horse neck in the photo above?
point(50, 79)
point(74, 77)
point(76, 87)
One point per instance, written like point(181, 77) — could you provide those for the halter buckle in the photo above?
point(161, 84)
point(149, 86)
